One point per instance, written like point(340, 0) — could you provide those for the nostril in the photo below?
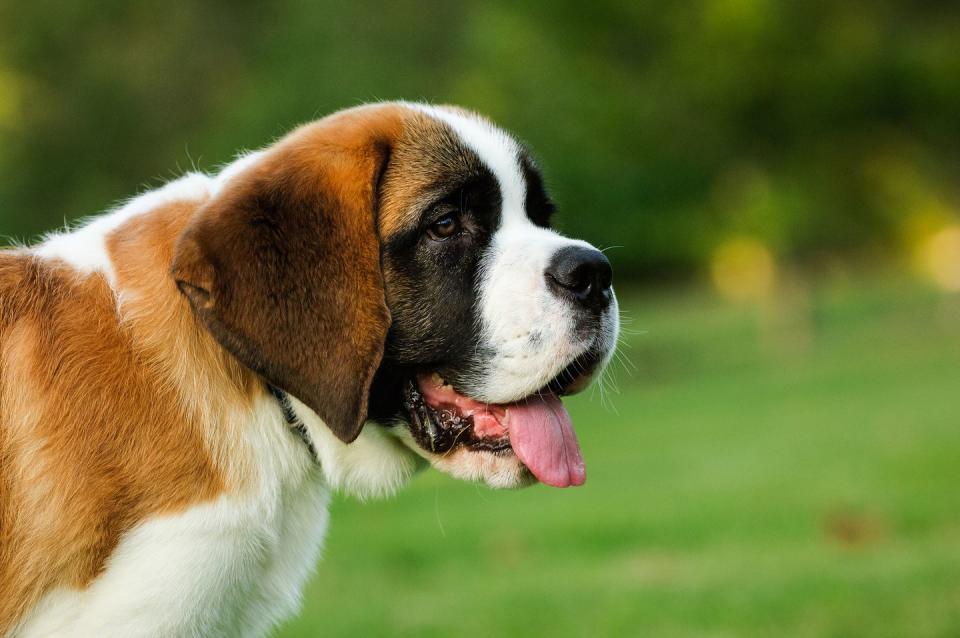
point(583, 273)
point(582, 279)
point(598, 273)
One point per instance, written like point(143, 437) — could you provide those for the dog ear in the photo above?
point(283, 265)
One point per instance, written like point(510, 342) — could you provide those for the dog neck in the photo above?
point(297, 426)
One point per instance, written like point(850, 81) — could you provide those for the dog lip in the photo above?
point(443, 419)
point(537, 429)
point(439, 427)
point(575, 376)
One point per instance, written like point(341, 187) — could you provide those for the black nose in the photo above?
point(582, 274)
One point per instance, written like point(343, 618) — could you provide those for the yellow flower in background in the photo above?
point(932, 236)
point(939, 257)
point(743, 268)
point(926, 218)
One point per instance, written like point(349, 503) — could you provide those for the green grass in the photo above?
point(787, 472)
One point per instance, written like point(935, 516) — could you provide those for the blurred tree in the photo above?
point(817, 128)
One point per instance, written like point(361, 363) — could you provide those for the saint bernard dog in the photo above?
point(184, 381)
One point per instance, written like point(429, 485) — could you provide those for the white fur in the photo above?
point(529, 330)
point(235, 566)
point(85, 249)
point(376, 464)
point(495, 148)
point(501, 471)
point(231, 567)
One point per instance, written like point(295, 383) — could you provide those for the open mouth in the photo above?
point(538, 428)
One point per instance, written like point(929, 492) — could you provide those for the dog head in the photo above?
point(392, 266)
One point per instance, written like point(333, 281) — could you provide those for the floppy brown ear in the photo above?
point(283, 266)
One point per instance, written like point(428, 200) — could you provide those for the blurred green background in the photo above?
point(778, 448)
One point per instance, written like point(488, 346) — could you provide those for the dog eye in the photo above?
point(444, 228)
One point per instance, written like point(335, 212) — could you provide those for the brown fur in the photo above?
point(286, 264)
point(121, 404)
point(428, 156)
point(93, 439)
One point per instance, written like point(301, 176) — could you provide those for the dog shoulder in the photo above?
point(93, 437)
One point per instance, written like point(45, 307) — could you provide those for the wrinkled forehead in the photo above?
point(443, 149)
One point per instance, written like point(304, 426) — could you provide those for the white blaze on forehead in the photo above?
point(495, 148)
point(515, 303)
point(529, 331)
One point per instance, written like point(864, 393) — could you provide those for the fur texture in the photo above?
point(149, 484)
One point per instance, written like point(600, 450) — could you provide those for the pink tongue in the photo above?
point(541, 434)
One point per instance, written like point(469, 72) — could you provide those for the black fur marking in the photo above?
point(535, 338)
point(540, 208)
point(297, 426)
point(431, 285)
point(585, 364)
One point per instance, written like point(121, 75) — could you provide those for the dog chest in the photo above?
point(232, 567)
